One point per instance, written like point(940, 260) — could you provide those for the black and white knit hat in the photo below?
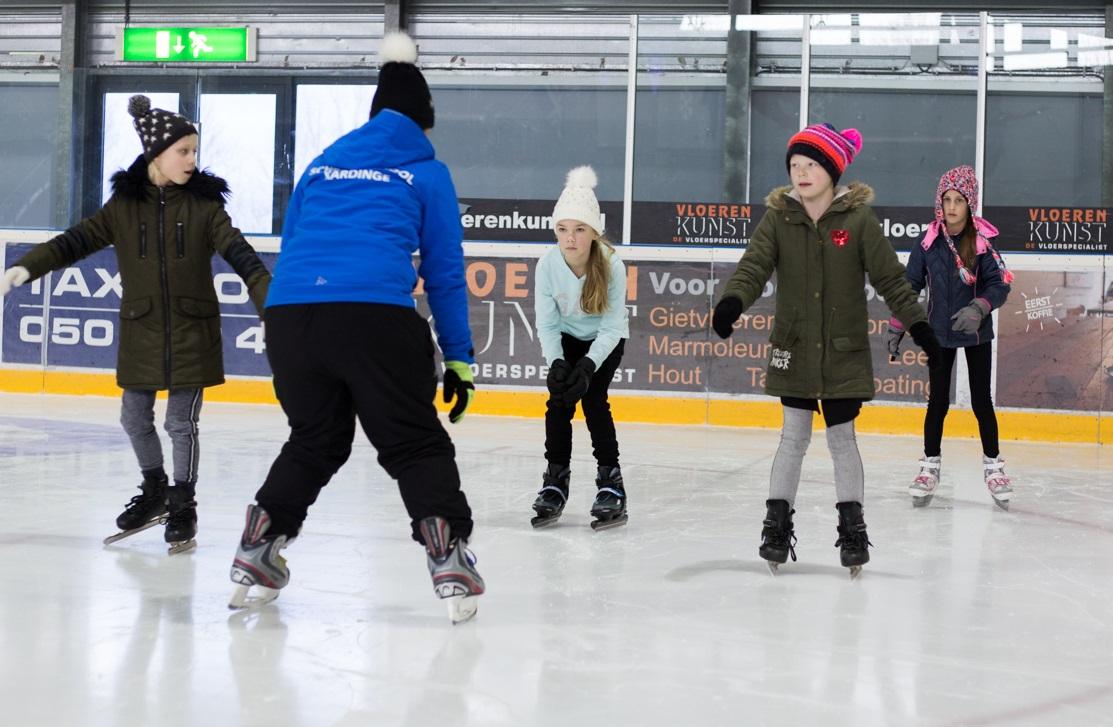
point(402, 88)
point(158, 129)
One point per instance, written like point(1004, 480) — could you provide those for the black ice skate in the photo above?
point(852, 537)
point(552, 496)
point(778, 540)
point(181, 522)
point(258, 562)
point(452, 568)
point(609, 508)
point(144, 511)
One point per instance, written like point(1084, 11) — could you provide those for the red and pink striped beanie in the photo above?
point(833, 149)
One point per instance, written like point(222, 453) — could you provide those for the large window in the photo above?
point(908, 83)
point(28, 138)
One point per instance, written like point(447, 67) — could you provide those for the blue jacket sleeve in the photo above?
point(442, 265)
point(992, 287)
point(916, 269)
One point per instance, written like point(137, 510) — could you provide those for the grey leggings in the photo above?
point(796, 435)
point(183, 409)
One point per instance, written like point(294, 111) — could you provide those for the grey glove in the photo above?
point(969, 318)
point(895, 336)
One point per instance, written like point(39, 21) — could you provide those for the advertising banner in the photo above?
point(1055, 347)
point(74, 313)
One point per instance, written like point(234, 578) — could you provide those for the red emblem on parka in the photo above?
point(840, 237)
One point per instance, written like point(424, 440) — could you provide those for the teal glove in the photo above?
point(458, 384)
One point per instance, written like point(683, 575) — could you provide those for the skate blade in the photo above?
point(183, 546)
point(462, 608)
point(921, 500)
point(1003, 504)
point(128, 533)
point(855, 571)
point(241, 600)
point(598, 525)
point(544, 521)
point(772, 567)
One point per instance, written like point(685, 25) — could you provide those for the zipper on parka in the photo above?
point(166, 361)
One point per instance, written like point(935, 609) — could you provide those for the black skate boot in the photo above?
point(852, 537)
point(609, 508)
point(145, 510)
point(452, 568)
point(552, 496)
point(778, 540)
point(181, 523)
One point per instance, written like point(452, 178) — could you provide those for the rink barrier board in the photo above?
point(751, 409)
point(875, 418)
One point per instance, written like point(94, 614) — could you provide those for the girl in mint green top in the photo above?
point(581, 321)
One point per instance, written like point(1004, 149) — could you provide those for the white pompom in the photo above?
point(398, 47)
point(582, 177)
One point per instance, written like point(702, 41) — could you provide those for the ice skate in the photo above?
point(452, 568)
point(853, 541)
point(923, 487)
point(609, 508)
point(552, 496)
point(181, 522)
point(996, 481)
point(258, 563)
point(145, 510)
point(778, 540)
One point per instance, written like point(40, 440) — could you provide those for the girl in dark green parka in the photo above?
point(822, 241)
point(165, 219)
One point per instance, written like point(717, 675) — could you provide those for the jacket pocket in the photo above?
point(851, 343)
point(143, 240)
point(179, 239)
point(197, 307)
point(783, 356)
point(131, 310)
point(199, 325)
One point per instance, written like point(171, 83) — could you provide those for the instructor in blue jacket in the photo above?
point(345, 341)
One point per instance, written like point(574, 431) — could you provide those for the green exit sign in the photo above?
point(187, 45)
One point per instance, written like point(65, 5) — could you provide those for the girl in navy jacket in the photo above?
point(966, 280)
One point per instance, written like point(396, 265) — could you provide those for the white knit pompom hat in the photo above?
point(577, 201)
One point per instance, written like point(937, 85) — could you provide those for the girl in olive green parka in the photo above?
point(822, 241)
point(165, 220)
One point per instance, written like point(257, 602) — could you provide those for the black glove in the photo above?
point(459, 383)
point(925, 338)
point(558, 377)
point(578, 381)
point(726, 313)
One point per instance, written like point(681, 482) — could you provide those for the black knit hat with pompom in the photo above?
point(158, 129)
point(401, 87)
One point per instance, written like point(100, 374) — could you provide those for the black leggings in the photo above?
point(979, 360)
point(597, 409)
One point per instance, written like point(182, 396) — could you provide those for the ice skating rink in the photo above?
point(966, 615)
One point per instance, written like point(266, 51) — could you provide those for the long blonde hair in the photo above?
point(593, 299)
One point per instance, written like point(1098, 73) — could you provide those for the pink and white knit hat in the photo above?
point(963, 180)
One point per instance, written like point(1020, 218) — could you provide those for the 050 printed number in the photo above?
point(100, 333)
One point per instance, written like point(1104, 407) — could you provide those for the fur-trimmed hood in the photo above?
point(855, 194)
point(134, 183)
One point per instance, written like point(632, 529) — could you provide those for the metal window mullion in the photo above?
point(805, 68)
point(631, 99)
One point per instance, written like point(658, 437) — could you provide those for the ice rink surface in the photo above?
point(966, 615)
